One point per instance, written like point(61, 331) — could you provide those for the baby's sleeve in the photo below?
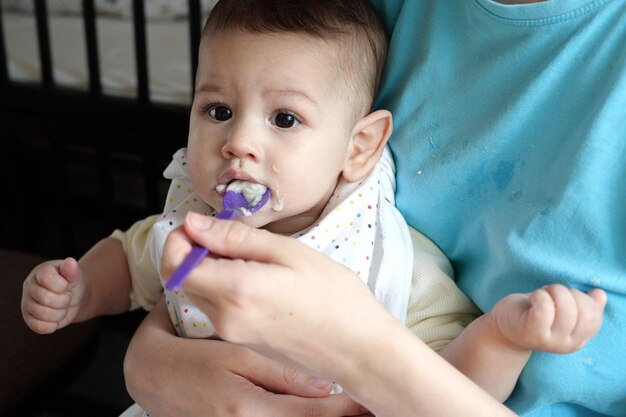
point(438, 311)
point(146, 287)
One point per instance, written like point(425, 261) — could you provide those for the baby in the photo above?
point(283, 100)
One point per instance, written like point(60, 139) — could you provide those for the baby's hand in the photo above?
point(551, 319)
point(52, 295)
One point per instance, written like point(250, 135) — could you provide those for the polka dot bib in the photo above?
point(358, 226)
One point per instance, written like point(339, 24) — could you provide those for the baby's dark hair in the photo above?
point(350, 24)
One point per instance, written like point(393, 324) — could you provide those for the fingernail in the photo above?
point(198, 220)
point(320, 383)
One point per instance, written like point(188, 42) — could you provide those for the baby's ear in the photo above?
point(369, 136)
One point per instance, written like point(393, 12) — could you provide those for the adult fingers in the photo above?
point(289, 405)
point(249, 257)
point(176, 248)
point(238, 240)
point(279, 378)
point(245, 255)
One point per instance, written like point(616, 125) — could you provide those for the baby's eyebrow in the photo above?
point(208, 87)
point(295, 93)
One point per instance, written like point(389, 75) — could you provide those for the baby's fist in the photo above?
point(553, 319)
point(52, 294)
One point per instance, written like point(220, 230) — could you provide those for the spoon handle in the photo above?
point(233, 203)
point(227, 214)
point(197, 254)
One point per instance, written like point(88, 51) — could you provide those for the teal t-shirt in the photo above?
point(510, 145)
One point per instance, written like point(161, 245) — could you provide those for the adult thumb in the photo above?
point(237, 240)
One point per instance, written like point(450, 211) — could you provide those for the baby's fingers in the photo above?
point(50, 276)
point(590, 308)
point(542, 313)
point(47, 314)
point(69, 269)
point(40, 326)
point(566, 311)
point(44, 297)
point(599, 296)
point(41, 318)
point(576, 317)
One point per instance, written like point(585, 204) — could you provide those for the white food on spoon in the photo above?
point(245, 211)
point(252, 192)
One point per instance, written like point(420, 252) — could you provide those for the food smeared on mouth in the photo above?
point(277, 205)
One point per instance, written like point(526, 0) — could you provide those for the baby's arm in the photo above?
point(57, 293)
point(494, 348)
point(438, 311)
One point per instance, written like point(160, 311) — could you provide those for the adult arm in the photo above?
point(171, 376)
point(269, 299)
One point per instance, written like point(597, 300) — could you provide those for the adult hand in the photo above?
point(295, 305)
point(276, 295)
point(198, 377)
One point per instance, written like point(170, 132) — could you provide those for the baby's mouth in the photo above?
point(253, 192)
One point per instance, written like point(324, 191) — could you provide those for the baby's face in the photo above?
point(270, 109)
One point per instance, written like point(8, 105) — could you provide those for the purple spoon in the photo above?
point(234, 204)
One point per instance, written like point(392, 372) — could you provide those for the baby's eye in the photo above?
point(285, 119)
point(219, 112)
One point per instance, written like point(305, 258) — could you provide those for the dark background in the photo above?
point(73, 169)
point(74, 166)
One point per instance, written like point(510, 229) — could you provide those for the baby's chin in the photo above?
point(256, 220)
point(267, 222)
